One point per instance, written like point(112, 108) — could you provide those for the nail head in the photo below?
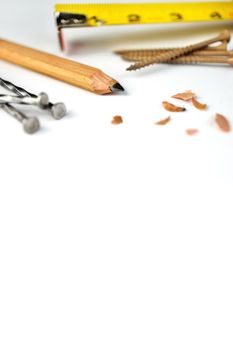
point(31, 125)
point(58, 110)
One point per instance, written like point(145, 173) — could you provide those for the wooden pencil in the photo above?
point(77, 74)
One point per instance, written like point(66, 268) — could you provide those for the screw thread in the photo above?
point(170, 55)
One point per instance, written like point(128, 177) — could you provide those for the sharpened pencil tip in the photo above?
point(130, 68)
point(116, 86)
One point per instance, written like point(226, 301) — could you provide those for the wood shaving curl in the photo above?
point(191, 132)
point(185, 96)
point(198, 105)
point(172, 108)
point(222, 122)
point(117, 120)
point(163, 121)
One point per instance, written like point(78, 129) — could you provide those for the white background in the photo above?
point(116, 237)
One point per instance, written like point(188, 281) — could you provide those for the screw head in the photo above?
point(31, 125)
point(225, 35)
point(58, 110)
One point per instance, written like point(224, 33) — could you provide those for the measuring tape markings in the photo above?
point(134, 13)
point(93, 15)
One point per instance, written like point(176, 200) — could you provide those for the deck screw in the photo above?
point(201, 59)
point(222, 46)
point(170, 55)
point(148, 55)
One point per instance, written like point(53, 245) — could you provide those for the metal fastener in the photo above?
point(30, 124)
point(38, 101)
point(58, 110)
point(170, 55)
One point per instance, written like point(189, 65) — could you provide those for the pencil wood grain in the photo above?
point(77, 74)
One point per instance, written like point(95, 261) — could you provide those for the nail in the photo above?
point(170, 55)
point(39, 101)
point(30, 124)
point(58, 110)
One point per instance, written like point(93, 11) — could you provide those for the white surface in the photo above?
point(116, 237)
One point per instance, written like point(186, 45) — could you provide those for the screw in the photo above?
point(201, 59)
point(58, 110)
point(30, 124)
point(170, 55)
point(222, 46)
point(148, 55)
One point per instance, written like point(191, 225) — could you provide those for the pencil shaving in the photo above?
point(198, 105)
point(172, 108)
point(222, 122)
point(163, 121)
point(117, 120)
point(184, 96)
point(191, 132)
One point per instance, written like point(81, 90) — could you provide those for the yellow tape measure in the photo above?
point(81, 15)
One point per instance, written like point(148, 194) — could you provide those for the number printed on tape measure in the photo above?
point(143, 13)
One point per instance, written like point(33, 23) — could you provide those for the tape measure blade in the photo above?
point(145, 13)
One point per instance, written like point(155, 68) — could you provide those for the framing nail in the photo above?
point(30, 124)
point(39, 101)
point(58, 110)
